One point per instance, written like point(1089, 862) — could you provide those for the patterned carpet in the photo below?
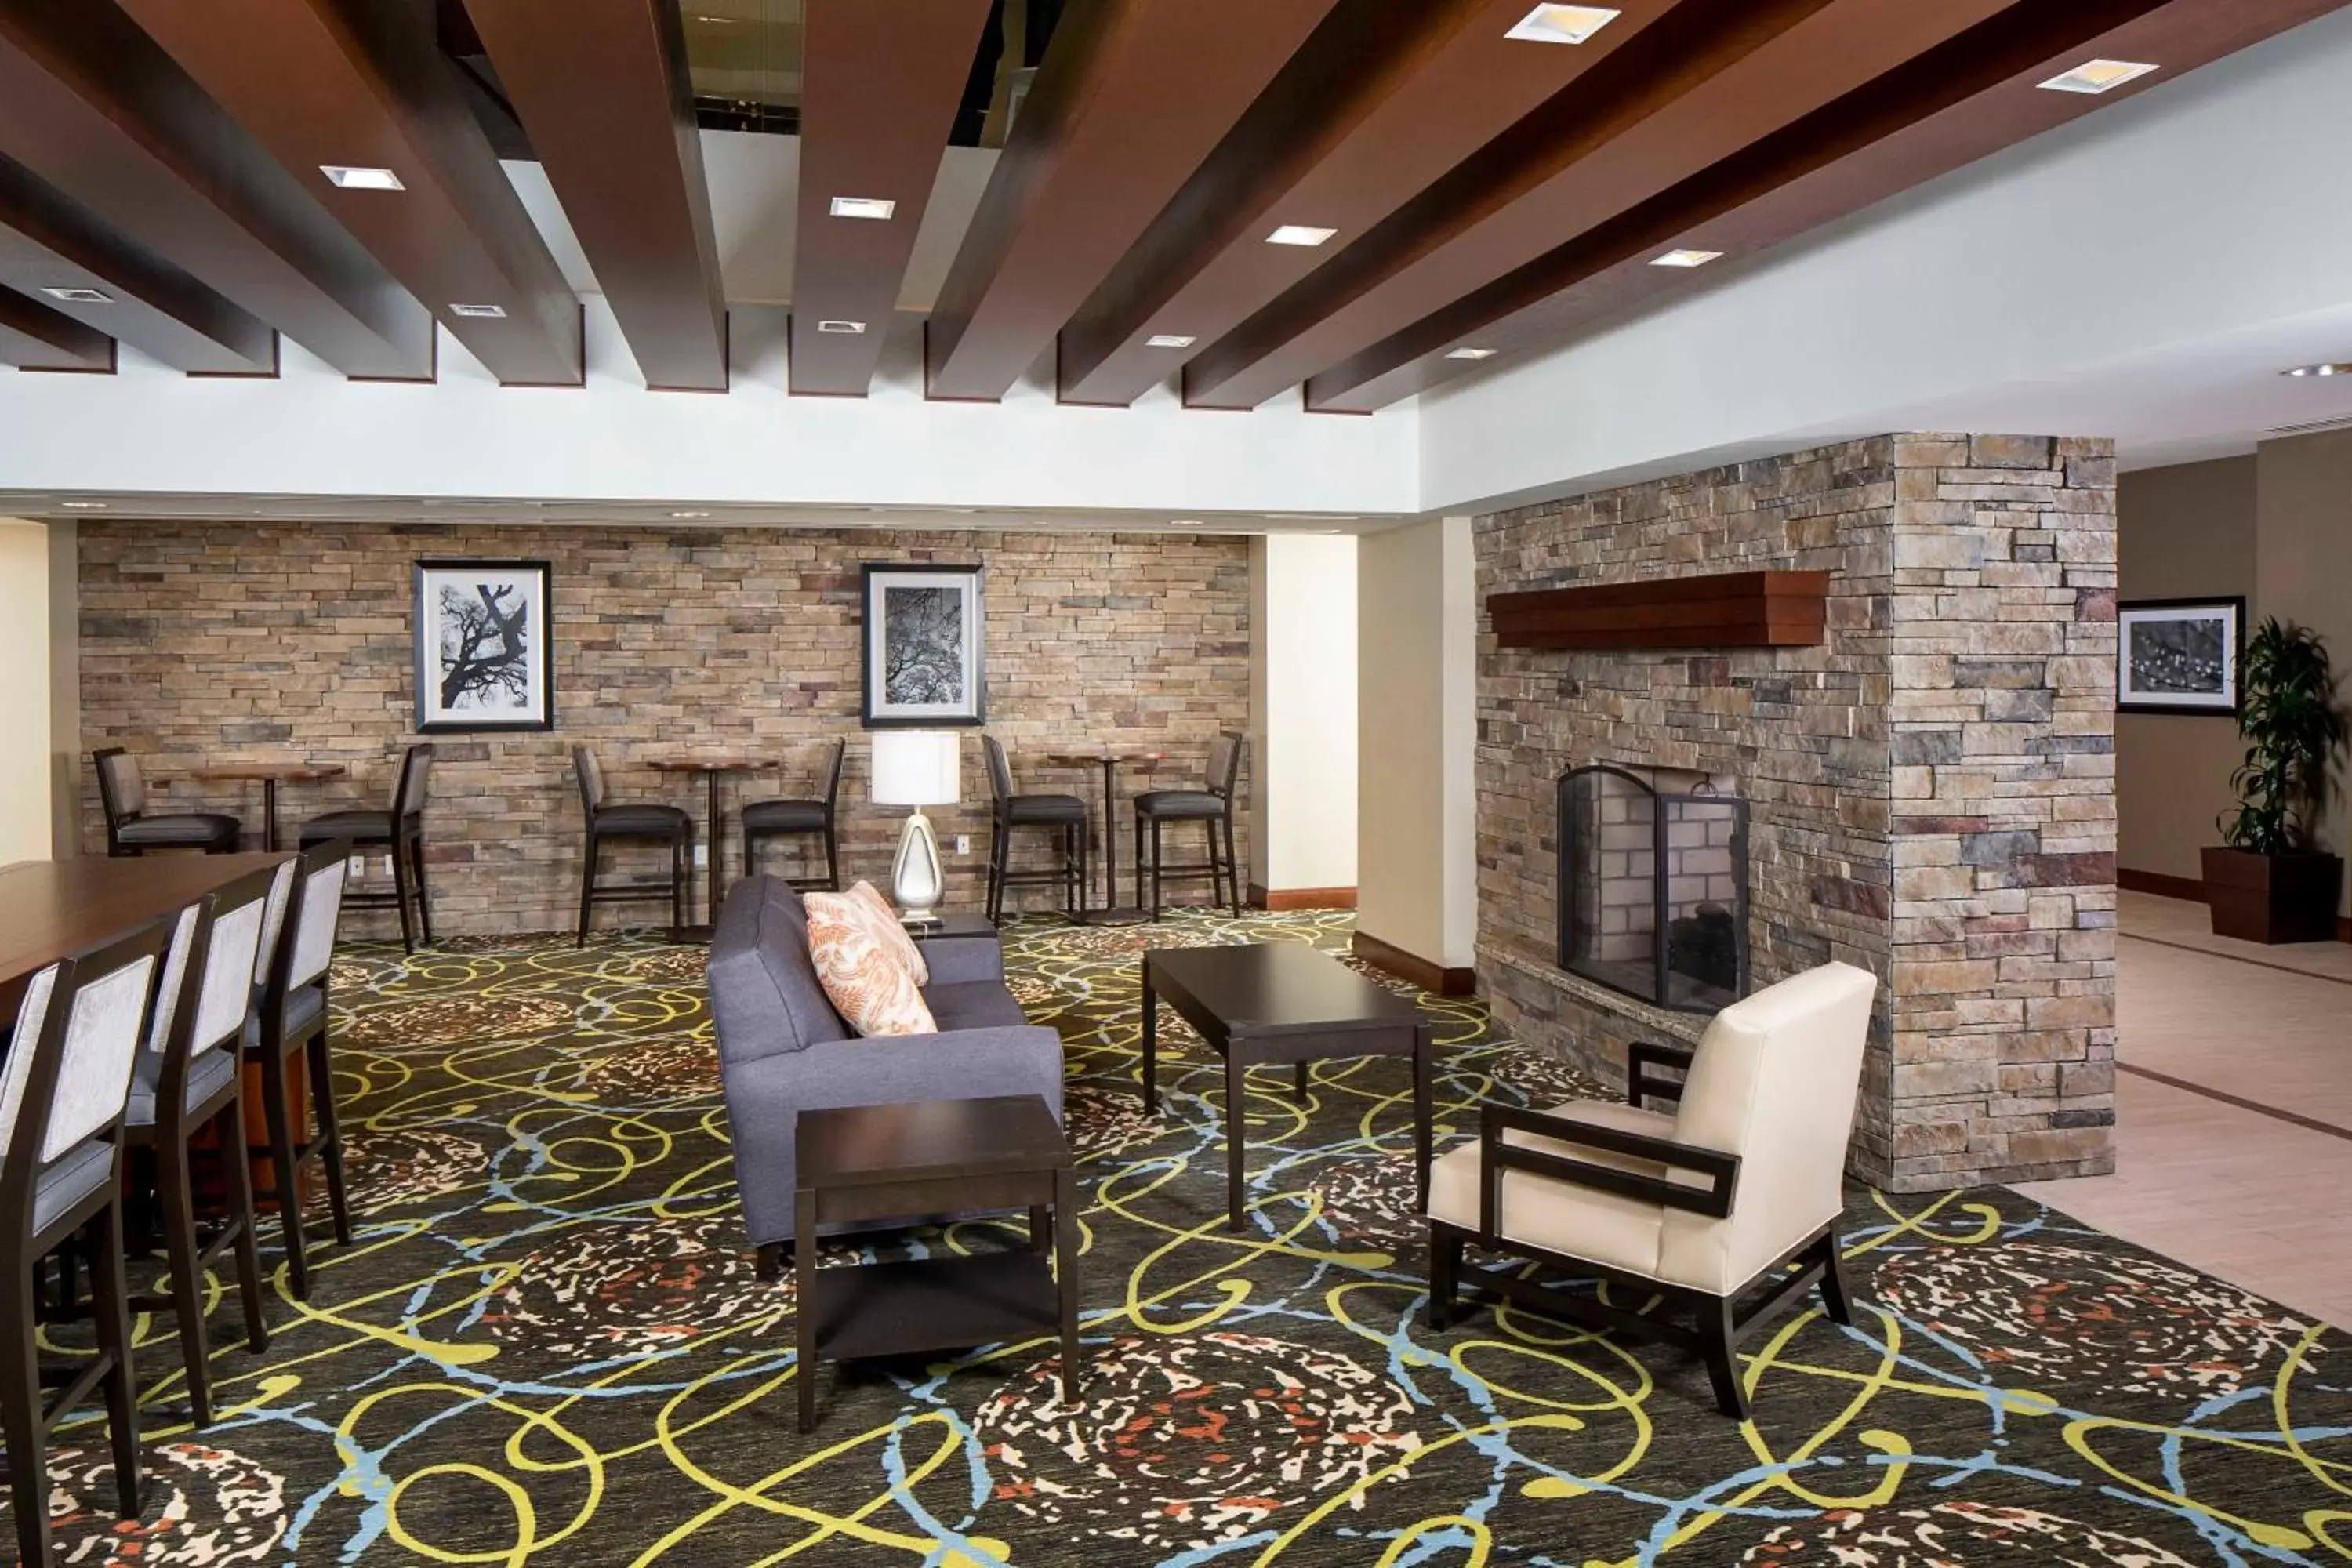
point(548, 1346)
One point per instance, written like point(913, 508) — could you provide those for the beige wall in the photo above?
point(1303, 711)
point(27, 820)
point(2183, 533)
point(65, 690)
point(1416, 841)
point(2305, 563)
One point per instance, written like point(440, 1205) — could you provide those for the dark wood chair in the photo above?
point(1213, 807)
point(641, 824)
point(767, 819)
point(122, 792)
point(292, 1017)
point(67, 1083)
point(1064, 817)
point(400, 830)
point(186, 1084)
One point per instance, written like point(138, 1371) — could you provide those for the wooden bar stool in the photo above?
point(766, 819)
point(400, 830)
point(644, 823)
point(1213, 807)
point(122, 792)
point(292, 1018)
point(1063, 815)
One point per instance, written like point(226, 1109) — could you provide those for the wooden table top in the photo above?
point(926, 1140)
point(1103, 754)
point(717, 763)
point(53, 908)
point(284, 771)
point(1277, 988)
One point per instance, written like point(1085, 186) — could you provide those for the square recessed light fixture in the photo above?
point(689, 516)
point(843, 328)
point(479, 312)
point(1300, 234)
point(1688, 258)
point(2097, 76)
point(351, 177)
point(1186, 523)
point(878, 208)
point(1168, 340)
point(1470, 353)
point(73, 295)
point(83, 505)
point(1563, 23)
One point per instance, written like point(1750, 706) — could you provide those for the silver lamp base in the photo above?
point(917, 882)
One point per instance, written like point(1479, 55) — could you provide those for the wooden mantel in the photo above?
point(1731, 609)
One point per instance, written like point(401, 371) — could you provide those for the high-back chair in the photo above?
point(1064, 817)
point(766, 819)
point(644, 823)
point(123, 794)
point(292, 1017)
point(1212, 806)
point(62, 1095)
point(186, 1084)
point(400, 830)
point(1708, 1208)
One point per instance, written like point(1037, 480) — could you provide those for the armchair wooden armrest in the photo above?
point(1497, 1154)
point(1642, 1084)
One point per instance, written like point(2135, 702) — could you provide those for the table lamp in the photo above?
point(916, 768)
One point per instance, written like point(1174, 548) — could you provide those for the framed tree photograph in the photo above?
point(2179, 656)
point(926, 647)
point(481, 646)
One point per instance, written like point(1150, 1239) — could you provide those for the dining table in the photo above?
point(269, 772)
point(1109, 758)
point(715, 766)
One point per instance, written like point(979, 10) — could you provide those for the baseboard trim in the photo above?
point(1281, 900)
point(2192, 891)
point(1429, 976)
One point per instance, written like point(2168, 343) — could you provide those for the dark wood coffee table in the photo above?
point(1275, 1002)
point(928, 1157)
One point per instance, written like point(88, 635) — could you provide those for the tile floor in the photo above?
point(2259, 1192)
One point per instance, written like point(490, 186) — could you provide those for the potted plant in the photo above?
point(2271, 882)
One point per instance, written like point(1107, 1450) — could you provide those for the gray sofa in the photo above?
point(783, 1049)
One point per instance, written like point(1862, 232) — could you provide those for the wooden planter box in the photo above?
point(2273, 899)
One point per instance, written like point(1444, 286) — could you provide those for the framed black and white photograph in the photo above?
point(925, 646)
point(2179, 656)
point(481, 646)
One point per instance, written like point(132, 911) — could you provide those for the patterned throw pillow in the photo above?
point(909, 951)
point(870, 985)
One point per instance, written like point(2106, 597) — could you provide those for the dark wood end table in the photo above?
point(935, 1156)
point(1275, 1002)
point(940, 927)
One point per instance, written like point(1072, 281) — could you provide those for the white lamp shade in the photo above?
point(917, 767)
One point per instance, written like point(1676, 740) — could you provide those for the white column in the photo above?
point(1302, 768)
point(28, 763)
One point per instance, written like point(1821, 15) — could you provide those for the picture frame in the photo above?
point(925, 646)
point(2179, 656)
point(482, 628)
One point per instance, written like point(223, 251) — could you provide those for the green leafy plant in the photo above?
point(2292, 728)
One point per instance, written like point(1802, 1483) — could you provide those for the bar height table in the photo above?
point(715, 766)
point(271, 774)
point(1108, 759)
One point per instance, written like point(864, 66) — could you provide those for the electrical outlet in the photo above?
point(355, 868)
point(701, 855)
point(964, 843)
point(386, 866)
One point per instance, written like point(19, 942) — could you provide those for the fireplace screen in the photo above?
point(1654, 888)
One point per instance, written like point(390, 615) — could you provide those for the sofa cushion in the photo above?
point(764, 992)
point(894, 934)
point(973, 1005)
point(871, 984)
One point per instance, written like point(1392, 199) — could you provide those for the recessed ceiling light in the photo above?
point(1300, 234)
point(689, 516)
point(1563, 23)
point(1186, 523)
point(879, 208)
point(350, 177)
point(73, 295)
point(83, 505)
point(2340, 369)
point(2097, 76)
point(843, 328)
point(479, 312)
point(1471, 354)
point(1168, 340)
point(1688, 258)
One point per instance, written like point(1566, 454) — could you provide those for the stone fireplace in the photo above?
point(1929, 791)
point(1654, 885)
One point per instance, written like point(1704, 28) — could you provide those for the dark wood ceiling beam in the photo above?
point(1133, 96)
point(93, 107)
point(1384, 100)
point(1586, 291)
point(881, 82)
point(47, 242)
point(321, 83)
point(600, 88)
point(1691, 89)
point(33, 336)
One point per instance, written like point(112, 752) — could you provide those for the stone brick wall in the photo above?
point(1965, 685)
point(206, 640)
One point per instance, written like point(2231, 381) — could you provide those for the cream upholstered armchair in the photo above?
point(1707, 1208)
